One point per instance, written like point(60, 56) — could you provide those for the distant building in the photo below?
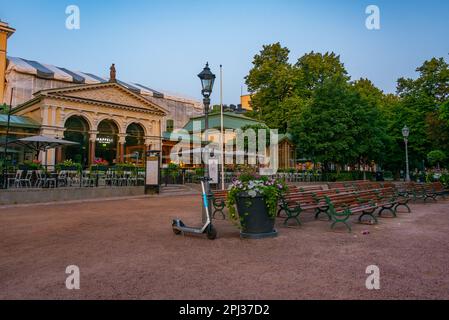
point(245, 102)
point(109, 118)
point(231, 120)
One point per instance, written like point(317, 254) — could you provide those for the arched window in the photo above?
point(77, 130)
point(106, 145)
point(135, 144)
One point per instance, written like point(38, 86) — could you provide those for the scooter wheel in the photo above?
point(211, 233)
point(175, 231)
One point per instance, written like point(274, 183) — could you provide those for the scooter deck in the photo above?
point(189, 230)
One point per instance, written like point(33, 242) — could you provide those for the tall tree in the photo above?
point(422, 104)
point(371, 124)
point(271, 81)
point(312, 69)
point(325, 129)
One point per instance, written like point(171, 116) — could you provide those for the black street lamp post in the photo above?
point(207, 82)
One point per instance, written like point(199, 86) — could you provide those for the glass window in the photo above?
point(169, 125)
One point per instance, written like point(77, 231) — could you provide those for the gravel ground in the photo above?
point(125, 249)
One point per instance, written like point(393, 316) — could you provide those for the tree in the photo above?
point(270, 81)
point(312, 69)
point(436, 157)
point(371, 124)
point(433, 81)
point(423, 105)
point(335, 120)
point(325, 130)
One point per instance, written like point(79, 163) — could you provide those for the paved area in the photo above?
point(125, 249)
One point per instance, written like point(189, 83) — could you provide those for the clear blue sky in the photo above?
point(164, 44)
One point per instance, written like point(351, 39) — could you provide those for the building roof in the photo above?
point(230, 121)
point(283, 136)
point(18, 122)
point(51, 72)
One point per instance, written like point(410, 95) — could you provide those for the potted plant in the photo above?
point(31, 165)
point(252, 202)
point(70, 165)
point(99, 165)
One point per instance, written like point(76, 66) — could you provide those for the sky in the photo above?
point(165, 44)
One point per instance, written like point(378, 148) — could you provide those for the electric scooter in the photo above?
point(180, 228)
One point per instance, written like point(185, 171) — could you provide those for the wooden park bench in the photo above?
point(430, 192)
point(345, 184)
point(294, 203)
point(421, 191)
point(439, 189)
point(343, 206)
point(219, 202)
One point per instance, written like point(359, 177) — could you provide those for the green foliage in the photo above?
point(199, 172)
point(127, 166)
point(436, 156)
point(271, 79)
point(4, 108)
point(443, 113)
point(337, 121)
point(173, 170)
point(347, 176)
point(444, 179)
point(69, 165)
point(32, 164)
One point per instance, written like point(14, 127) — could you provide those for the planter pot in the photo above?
point(255, 221)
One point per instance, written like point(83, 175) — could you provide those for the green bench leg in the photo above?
point(368, 213)
point(280, 211)
point(403, 205)
point(218, 207)
point(341, 221)
point(392, 209)
point(319, 211)
point(221, 212)
point(292, 214)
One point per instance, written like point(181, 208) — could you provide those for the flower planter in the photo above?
point(254, 217)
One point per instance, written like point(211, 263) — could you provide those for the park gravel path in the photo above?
point(125, 249)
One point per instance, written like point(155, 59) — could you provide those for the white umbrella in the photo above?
point(40, 143)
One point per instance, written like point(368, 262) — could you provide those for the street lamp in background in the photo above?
point(207, 82)
point(405, 134)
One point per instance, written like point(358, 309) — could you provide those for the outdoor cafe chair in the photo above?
point(74, 178)
point(62, 178)
point(16, 180)
point(132, 178)
point(26, 181)
point(141, 178)
point(88, 179)
point(50, 180)
point(40, 179)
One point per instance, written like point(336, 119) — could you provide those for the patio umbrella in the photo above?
point(40, 143)
point(2, 150)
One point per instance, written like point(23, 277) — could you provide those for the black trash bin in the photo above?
point(379, 176)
